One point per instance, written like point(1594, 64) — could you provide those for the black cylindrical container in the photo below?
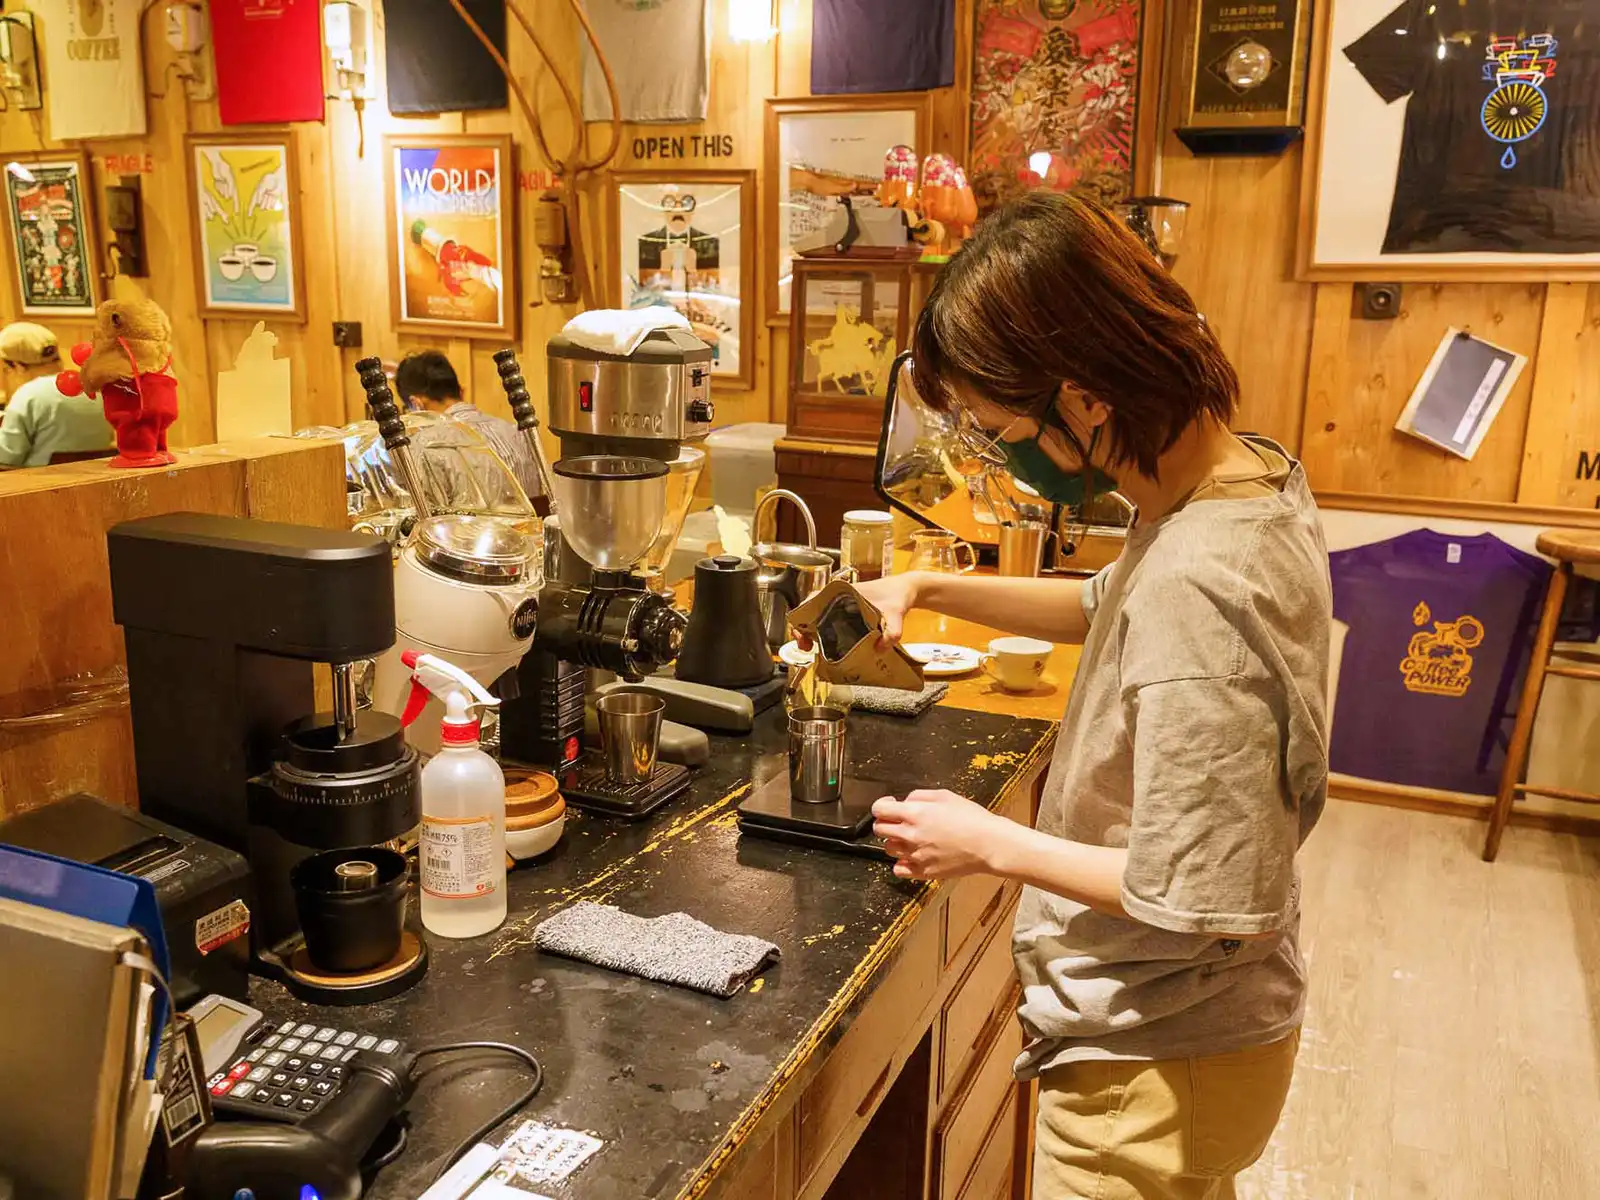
point(350, 929)
point(725, 644)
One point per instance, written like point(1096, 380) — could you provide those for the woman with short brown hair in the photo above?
point(1156, 938)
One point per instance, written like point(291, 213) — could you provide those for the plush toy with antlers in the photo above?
point(126, 365)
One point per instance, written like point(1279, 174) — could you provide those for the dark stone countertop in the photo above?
point(663, 1074)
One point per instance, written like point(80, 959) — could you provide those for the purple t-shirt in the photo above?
point(1440, 627)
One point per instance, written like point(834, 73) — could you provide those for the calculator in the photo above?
point(263, 1070)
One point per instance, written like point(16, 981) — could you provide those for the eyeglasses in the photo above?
point(980, 443)
point(674, 203)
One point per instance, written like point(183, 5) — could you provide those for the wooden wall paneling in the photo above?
point(1561, 453)
point(1363, 372)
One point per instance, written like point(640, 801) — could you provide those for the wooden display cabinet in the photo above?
point(849, 318)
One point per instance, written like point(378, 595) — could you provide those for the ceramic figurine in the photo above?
point(126, 365)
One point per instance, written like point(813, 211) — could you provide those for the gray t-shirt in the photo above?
point(1196, 737)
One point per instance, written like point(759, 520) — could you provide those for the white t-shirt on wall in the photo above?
point(659, 52)
point(93, 70)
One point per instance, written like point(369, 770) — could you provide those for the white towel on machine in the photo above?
point(621, 330)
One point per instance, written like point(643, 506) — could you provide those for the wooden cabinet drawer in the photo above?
point(975, 902)
point(963, 1130)
point(992, 1178)
point(987, 988)
point(860, 1068)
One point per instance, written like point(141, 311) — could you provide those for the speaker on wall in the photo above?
point(1247, 77)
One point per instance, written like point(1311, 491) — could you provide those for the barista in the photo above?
point(39, 420)
point(1156, 938)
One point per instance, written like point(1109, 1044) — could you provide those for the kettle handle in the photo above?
point(805, 511)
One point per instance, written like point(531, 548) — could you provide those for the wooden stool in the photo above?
point(1575, 552)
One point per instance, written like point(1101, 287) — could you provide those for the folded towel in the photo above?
point(671, 949)
point(897, 703)
point(621, 330)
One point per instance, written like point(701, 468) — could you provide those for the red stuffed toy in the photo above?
point(127, 367)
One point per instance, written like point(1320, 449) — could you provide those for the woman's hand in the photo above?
point(939, 835)
point(893, 596)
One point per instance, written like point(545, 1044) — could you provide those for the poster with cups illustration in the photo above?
point(248, 260)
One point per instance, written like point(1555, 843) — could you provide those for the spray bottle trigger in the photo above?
point(416, 701)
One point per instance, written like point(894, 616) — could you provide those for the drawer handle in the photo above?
point(871, 1097)
point(989, 913)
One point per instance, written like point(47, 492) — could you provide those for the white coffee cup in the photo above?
point(1017, 663)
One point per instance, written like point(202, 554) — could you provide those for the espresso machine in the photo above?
point(223, 619)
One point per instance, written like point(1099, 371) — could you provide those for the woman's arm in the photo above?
point(1051, 609)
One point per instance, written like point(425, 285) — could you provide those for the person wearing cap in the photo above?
point(39, 420)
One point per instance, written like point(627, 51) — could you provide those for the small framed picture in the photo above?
point(245, 189)
point(451, 208)
point(821, 149)
point(686, 239)
point(54, 251)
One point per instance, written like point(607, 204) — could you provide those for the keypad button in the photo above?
point(331, 1053)
point(272, 1042)
point(345, 1038)
point(243, 1089)
point(216, 1079)
point(279, 1078)
point(366, 1042)
point(283, 1099)
point(299, 1083)
point(239, 1070)
point(275, 1059)
point(286, 1028)
point(335, 1072)
point(388, 1046)
point(223, 1088)
point(259, 1073)
point(307, 1104)
point(294, 1064)
point(262, 1096)
point(255, 1056)
point(324, 1034)
point(349, 1054)
point(290, 1044)
point(305, 1031)
point(322, 1087)
point(316, 1068)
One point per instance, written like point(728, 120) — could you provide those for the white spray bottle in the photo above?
point(463, 852)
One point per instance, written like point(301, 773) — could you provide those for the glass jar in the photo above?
point(937, 550)
point(866, 544)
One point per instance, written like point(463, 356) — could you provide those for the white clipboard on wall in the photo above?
point(1461, 393)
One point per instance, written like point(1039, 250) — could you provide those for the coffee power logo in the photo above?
point(1436, 661)
point(91, 47)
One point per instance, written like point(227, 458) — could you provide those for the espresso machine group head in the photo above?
point(223, 619)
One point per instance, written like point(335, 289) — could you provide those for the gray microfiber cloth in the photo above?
point(671, 949)
point(897, 703)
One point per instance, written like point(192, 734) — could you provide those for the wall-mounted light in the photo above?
point(188, 33)
point(19, 62)
point(347, 34)
point(751, 20)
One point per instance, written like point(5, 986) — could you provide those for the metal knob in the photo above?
point(355, 876)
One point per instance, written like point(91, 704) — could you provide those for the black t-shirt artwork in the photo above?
point(1501, 147)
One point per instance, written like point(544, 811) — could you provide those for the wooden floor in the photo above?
point(1450, 1046)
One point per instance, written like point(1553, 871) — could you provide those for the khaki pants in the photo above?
point(1177, 1130)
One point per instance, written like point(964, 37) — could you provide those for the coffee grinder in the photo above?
point(620, 419)
point(223, 618)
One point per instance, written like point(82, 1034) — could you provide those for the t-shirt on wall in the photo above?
point(659, 52)
point(1501, 146)
point(436, 63)
point(94, 74)
point(882, 45)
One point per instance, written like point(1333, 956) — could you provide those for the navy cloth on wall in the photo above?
point(882, 45)
point(437, 64)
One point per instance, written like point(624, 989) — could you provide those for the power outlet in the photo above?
point(347, 334)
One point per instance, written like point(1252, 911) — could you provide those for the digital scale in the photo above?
point(844, 826)
point(586, 785)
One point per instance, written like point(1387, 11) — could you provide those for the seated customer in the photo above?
point(39, 420)
point(427, 381)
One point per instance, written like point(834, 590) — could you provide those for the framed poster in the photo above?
point(451, 203)
point(54, 252)
point(686, 239)
point(1446, 146)
point(823, 148)
point(1055, 90)
point(248, 260)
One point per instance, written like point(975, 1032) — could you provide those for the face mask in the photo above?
point(1030, 463)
